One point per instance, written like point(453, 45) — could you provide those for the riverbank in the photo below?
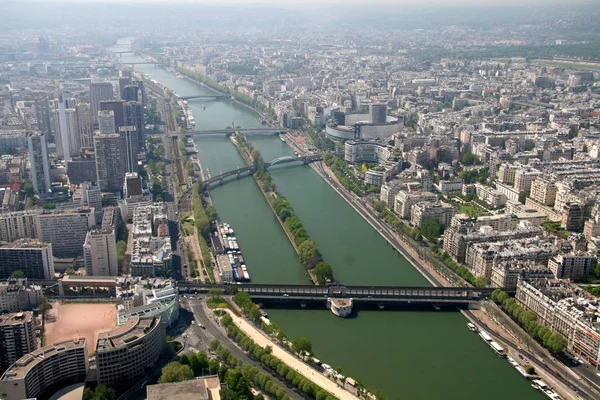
point(300, 367)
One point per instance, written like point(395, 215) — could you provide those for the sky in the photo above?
point(296, 3)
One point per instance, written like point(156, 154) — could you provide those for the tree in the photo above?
point(529, 369)
point(18, 274)
point(481, 281)
point(176, 372)
point(102, 392)
point(198, 362)
point(379, 206)
point(522, 197)
point(309, 254)
point(323, 272)
point(468, 158)
point(70, 271)
point(302, 344)
point(431, 229)
point(237, 384)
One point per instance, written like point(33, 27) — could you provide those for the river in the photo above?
point(406, 354)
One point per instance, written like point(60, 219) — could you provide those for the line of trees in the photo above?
point(252, 375)
point(344, 174)
point(528, 320)
point(266, 358)
point(309, 255)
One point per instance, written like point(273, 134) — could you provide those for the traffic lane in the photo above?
point(212, 327)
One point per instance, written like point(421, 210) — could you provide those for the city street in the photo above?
point(197, 338)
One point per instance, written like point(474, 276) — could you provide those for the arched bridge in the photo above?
point(216, 96)
point(246, 171)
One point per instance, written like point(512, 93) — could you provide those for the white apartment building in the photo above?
point(405, 200)
point(100, 253)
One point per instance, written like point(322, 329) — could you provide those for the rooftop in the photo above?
point(132, 330)
point(24, 364)
point(195, 389)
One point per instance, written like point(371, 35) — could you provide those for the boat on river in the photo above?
point(472, 327)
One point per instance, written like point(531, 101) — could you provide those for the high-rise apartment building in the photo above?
point(92, 197)
point(116, 106)
point(18, 225)
point(65, 230)
point(129, 145)
point(134, 116)
point(130, 93)
point(39, 163)
point(110, 161)
point(42, 114)
point(32, 257)
point(106, 122)
point(100, 253)
point(17, 337)
point(123, 82)
point(84, 124)
point(99, 91)
point(65, 126)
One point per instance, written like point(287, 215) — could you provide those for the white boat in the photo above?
point(472, 327)
point(498, 349)
point(484, 335)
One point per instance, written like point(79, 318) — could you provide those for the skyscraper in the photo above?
point(65, 126)
point(123, 81)
point(142, 91)
point(84, 124)
point(116, 106)
point(92, 197)
point(130, 93)
point(110, 161)
point(134, 116)
point(129, 144)
point(39, 164)
point(106, 122)
point(99, 91)
point(42, 114)
point(100, 253)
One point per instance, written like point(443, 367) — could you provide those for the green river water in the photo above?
point(406, 354)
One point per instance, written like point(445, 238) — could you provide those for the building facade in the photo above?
point(572, 266)
point(100, 253)
point(39, 163)
point(129, 351)
point(34, 258)
point(66, 230)
point(110, 162)
point(17, 337)
point(58, 364)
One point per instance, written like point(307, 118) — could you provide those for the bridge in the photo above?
point(216, 96)
point(379, 296)
point(245, 131)
point(247, 171)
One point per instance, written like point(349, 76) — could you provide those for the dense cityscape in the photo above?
point(334, 201)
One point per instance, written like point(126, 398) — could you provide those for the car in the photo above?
point(201, 326)
point(286, 295)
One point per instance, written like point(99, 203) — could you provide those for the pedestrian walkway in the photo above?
point(309, 373)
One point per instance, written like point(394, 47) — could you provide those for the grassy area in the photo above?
point(554, 228)
point(470, 209)
point(568, 65)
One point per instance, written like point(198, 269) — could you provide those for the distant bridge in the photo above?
point(377, 295)
point(247, 171)
point(245, 131)
point(216, 96)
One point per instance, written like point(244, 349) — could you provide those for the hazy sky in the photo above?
point(354, 2)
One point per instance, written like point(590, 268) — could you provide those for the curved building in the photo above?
point(129, 351)
point(45, 369)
